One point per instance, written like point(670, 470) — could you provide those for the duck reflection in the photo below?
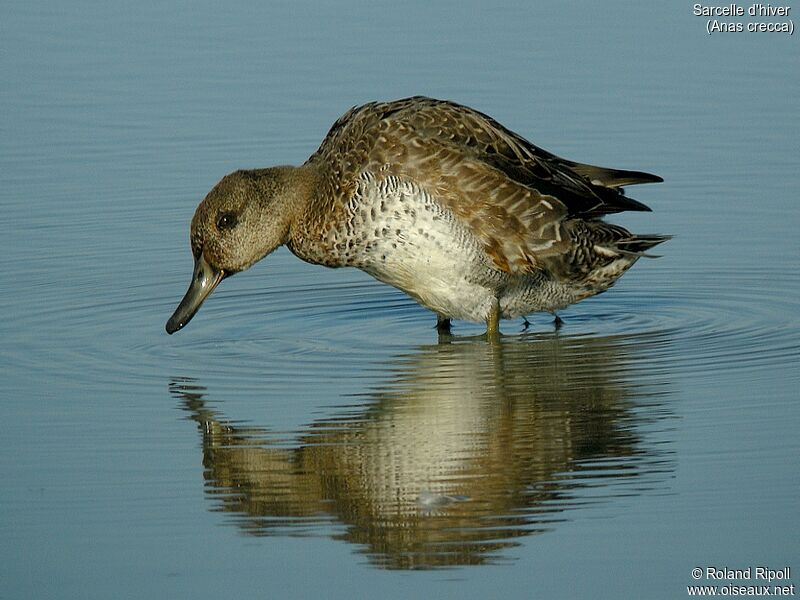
point(465, 447)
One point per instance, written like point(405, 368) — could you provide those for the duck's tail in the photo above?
point(612, 178)
point(638, 245)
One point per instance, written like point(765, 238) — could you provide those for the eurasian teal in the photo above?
point(435, 199)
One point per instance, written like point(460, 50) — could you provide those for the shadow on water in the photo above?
point(465, 447)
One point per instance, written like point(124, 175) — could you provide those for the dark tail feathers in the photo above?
point(640, 244)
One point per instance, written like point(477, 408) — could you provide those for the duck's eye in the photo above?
point(226, 221)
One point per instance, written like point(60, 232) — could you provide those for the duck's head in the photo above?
point(243, 218)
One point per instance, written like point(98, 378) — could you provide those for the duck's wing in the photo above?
point(517, 225)
point(586, 190)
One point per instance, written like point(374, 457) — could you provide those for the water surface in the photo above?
point(309, 434)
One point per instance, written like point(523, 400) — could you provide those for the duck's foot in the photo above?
point(525, 324)
point(557, 321)
point(443, 325)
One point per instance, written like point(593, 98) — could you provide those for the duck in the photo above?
point(436, 199)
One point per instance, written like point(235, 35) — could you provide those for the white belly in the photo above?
point(406, 239)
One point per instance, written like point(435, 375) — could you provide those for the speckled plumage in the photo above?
point(440, 201)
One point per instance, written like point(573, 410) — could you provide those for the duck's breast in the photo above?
point(397, 232)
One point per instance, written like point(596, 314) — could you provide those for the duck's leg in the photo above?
point(493, 321)
point(442, 324)
point(557, 321)
point(525, 323)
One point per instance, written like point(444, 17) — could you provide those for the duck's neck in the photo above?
point(293, 188)
point(287, 195)
point(313, 214)
point(301, 184)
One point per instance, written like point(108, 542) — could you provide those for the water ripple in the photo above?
point(737, 320)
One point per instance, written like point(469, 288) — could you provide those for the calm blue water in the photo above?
point(307, 435)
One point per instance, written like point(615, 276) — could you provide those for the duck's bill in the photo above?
point(204, 279)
